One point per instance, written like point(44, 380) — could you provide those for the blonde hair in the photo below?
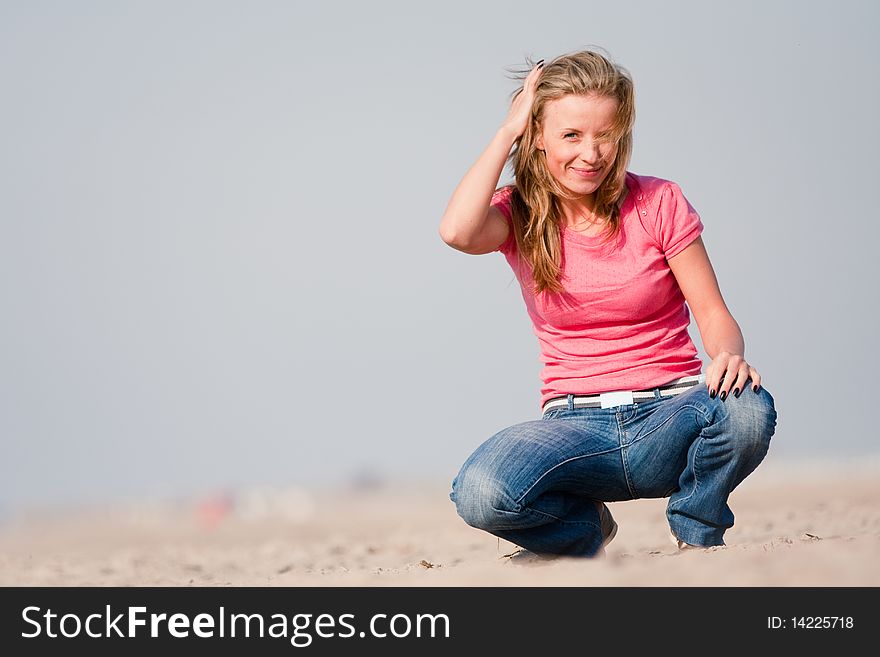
point(535, 198)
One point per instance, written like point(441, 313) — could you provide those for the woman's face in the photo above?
point(576, 139)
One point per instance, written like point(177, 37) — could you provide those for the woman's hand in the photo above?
point(729, 373)
point(521, 107)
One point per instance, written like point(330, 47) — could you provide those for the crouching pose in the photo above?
point(606, 260)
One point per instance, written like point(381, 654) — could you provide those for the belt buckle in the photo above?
point(617, 398)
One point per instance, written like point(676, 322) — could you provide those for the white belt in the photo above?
point(622, 397)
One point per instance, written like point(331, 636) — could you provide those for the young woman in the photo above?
point(606, 260)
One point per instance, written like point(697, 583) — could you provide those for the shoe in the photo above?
point(609, 526)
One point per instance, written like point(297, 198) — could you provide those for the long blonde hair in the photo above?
point(535, 198)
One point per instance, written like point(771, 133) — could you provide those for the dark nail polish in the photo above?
point(540, 62)
point(723, 395)
point(712, 394)
point(736, 392)
point(755, 388)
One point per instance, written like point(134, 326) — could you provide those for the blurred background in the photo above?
point(220, 264)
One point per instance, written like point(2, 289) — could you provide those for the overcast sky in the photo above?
point(219, 257)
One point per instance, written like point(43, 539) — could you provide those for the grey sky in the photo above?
point(219, 258)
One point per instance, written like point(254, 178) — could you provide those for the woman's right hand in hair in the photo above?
point(521, 108)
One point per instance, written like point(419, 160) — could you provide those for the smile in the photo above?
point(586, 173)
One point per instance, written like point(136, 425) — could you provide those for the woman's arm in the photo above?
point(721, 335)
point(467, 224)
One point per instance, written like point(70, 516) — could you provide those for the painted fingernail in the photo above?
point(712, 394)
point(540, 63)
point(755, 388)
point(736, 392)
point(723, 395)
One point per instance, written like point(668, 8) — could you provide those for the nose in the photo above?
point(590, 152)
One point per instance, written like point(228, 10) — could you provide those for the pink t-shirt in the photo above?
point(622, 322)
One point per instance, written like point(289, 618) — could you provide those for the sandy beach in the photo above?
point(796, 526)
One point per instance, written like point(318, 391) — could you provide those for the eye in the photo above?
point(569, 134)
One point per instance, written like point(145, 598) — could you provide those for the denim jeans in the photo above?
point(536, 483)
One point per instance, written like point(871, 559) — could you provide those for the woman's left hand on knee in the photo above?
point(728, 374)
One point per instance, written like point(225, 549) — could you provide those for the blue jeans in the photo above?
point(536, 483)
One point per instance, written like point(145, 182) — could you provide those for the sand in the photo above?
point(796, 526)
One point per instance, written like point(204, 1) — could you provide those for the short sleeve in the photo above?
point(501, 200)
point(678, 224)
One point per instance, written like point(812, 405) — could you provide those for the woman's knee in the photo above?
point(481, 498)
point(493, 482)
point(752, 420)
